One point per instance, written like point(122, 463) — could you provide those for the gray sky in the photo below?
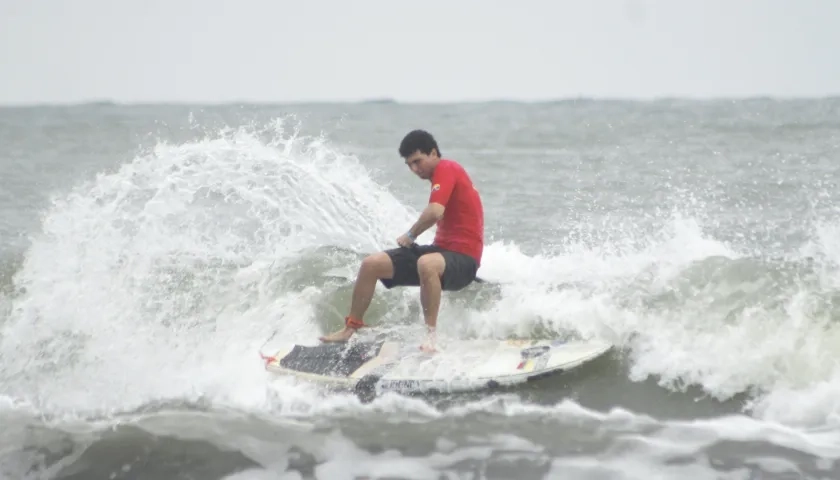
point(278, 50)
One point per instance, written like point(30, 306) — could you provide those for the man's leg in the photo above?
point(438, 272)
point(430, 268)
point(374, 267)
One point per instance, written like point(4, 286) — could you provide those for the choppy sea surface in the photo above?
point(148, 253)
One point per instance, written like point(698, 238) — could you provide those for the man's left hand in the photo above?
point(404, 241)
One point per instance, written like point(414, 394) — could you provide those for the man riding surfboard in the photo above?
point(449, 263)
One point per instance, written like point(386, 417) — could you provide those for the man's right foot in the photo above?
point(340, 336)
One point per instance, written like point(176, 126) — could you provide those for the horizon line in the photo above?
point(394, 101)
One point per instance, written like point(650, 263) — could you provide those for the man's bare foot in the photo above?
point(429, 345)
point(340, 336)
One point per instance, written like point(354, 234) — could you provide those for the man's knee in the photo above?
point(431, 264)
point(378, 265)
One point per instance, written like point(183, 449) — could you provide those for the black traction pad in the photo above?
point(330, 359)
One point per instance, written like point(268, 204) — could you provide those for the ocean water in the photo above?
point(149, 252)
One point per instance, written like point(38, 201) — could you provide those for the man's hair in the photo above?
point(418, 140)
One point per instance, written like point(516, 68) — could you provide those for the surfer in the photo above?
point(449, 263)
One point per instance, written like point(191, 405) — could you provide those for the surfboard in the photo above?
point(457, 366)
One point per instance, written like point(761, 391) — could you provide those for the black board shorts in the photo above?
point(460, 269)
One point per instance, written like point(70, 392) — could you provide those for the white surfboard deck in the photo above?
point(457, 366)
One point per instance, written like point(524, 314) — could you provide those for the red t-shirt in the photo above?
point(462, 227)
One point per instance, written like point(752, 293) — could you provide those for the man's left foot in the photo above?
point(340, 336)
point(350, 327)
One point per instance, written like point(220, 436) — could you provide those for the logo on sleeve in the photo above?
point(435, 187)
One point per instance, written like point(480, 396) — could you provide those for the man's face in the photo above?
point(422, 164)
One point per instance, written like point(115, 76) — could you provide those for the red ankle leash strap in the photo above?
point(354, 323)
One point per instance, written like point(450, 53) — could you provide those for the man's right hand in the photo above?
point(404, 240)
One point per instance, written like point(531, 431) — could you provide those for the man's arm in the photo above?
point(431, 214)
point(443, 182)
